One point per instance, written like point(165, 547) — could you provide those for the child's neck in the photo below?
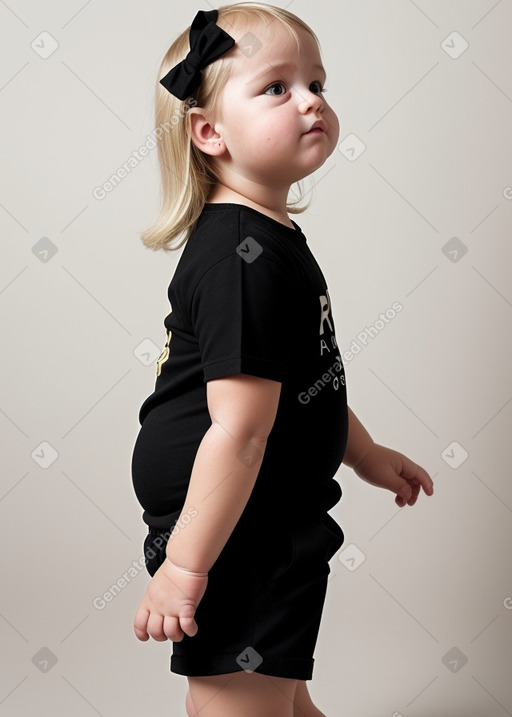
point(220, 194)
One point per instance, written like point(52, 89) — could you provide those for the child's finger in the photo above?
point(413, 472)
point(140, 624)
point(156, 627)
point(425, 480)
point(187, 621)
point(415, 487)
point(189, 626)
point(172, 628)
point(403, 495)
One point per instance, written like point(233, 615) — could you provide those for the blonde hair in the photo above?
point(187, 175)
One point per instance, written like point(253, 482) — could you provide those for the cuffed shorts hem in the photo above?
point(290, 667)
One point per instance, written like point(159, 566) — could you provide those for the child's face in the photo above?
point(266, 109)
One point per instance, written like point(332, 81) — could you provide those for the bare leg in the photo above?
point(250, 694)
point(302, 703)
point(189, 705)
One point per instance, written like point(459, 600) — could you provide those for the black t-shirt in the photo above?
point(247, 296)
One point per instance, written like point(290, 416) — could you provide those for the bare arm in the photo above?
point(359, 441)
point(243, 410)
point(384, 467)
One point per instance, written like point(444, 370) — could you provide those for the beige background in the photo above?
point(82, 306)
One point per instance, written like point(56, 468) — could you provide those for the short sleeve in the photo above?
point(241, 316)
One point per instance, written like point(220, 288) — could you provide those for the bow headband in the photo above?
point(207, 42)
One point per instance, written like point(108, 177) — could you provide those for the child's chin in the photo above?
point(320, 163)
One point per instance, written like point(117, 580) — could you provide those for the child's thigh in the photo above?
point(250, 694)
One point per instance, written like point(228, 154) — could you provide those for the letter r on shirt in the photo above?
point(325, 309)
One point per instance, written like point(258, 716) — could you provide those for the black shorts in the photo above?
point(263, 603)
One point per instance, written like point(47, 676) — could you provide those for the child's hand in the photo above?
point(389, 469)
point(168, 607)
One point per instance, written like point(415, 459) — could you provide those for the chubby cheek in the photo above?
point(334, 126)
point(274, 134)
point(256, 122)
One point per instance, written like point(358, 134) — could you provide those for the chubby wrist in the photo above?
point(180, 553)
point(359, 443)
point(186, 570)
point(354, 459)
point(364, 456)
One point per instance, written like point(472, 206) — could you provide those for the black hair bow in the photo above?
point(207, 42)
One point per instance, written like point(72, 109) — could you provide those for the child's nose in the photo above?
point(310, 100)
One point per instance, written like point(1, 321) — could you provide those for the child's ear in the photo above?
point(203, 134)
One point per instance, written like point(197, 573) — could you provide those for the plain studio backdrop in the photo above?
point(412, 210)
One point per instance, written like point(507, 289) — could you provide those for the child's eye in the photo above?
point(281, 89)
point(276, 84)
point(317, 87)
